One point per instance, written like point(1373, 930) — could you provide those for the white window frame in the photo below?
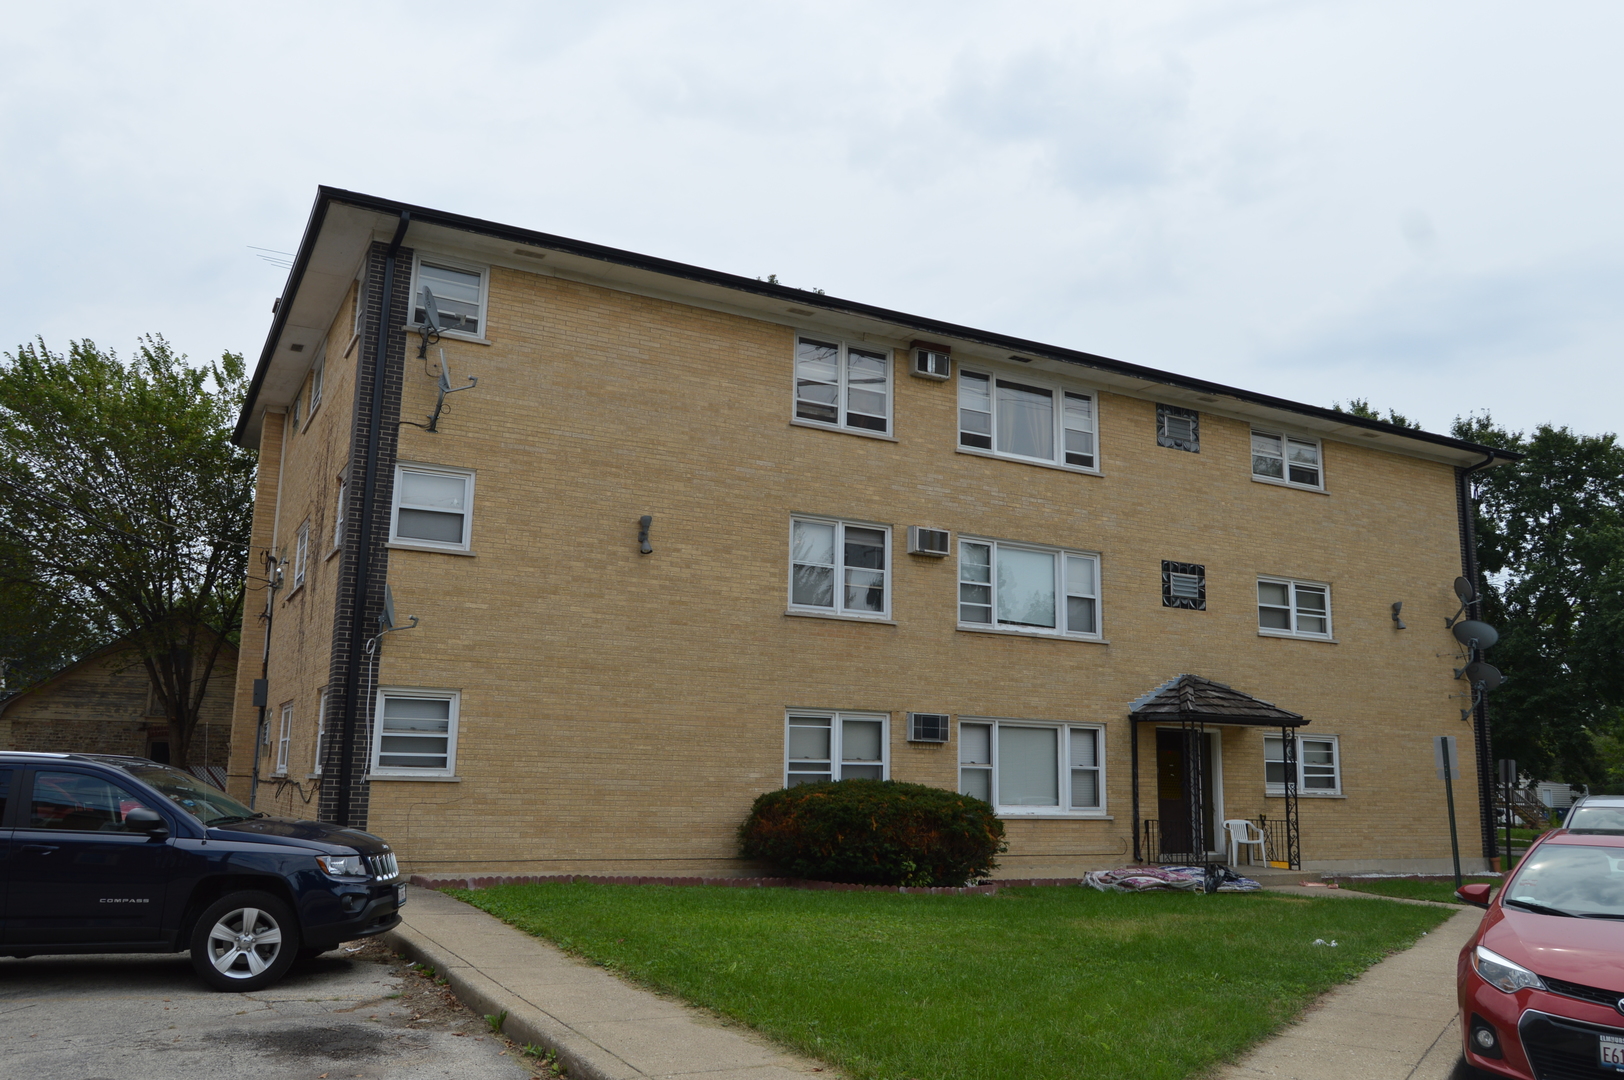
point(1286, 439)
point(1292, 585)
point(1063, 807)
point(404, 772)
point(838, 609)
point(451, 262)
point(339, 510)
point(992, 374)
point(283, 739)
point(321, 729)
point(1062, 586)
point(318, 371)
point(301, 553)
point(836, 718)
point(466, 475)
point(1303, 791)
point(842, 385)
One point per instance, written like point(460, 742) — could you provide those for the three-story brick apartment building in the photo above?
point(693, 536)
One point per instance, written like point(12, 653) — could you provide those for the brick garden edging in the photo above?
point(425, 881)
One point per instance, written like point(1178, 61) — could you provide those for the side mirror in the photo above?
point(142, 820)
point(1476, 895)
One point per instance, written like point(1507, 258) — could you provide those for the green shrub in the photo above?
point(874, 832)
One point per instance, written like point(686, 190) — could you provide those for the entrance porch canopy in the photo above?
point(1193, 703)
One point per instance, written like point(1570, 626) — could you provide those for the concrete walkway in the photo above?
point(600, 1027)
point(1396, 1022)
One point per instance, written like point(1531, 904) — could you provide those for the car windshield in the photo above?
point(1603, 819)
point(208, 804)
point(1571, 880)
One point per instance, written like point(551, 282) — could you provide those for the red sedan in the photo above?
point(1541, 983)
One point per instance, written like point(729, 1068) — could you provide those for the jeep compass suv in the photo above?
point(106, 854)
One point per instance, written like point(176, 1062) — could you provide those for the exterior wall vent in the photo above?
point(932, 361)
point(927, 727)
point(922, 541)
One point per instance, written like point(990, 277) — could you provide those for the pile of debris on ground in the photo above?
point(1203, 879)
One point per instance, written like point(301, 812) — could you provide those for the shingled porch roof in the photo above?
point(1192, 699)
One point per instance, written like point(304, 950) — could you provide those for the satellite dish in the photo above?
point(1484, 675)
point(388, 616)
point(1471, 632)
point(431, 318)
point(1463, 588)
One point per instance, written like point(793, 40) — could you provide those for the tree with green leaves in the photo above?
point(125, 512)
point(1362, 408)
point(1550, 542)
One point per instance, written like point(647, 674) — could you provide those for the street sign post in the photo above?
point(1447, 762)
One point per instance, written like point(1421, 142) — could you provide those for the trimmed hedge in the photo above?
point(874, 832)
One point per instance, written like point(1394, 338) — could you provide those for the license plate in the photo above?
point(400, 901)
point(1612, 1052)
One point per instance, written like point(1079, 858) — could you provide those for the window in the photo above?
point(839, 567)
point(301, 553)
point(821, 746)
point(459, 295)
point(1286, 460)
point(1319, 767)
point(416, 733)
point(317, 371)
point(297, 411)
point(321, 732)
point(75, 802)
point(338, 512)
point(1022, 420)
point(431, 506)
point(1293, 608)
point(1026, 767)
point(359, 314)
point(1184, 585)
point(843, 385)
point(283, 738)
point(1178, 428)
point(1030, 589)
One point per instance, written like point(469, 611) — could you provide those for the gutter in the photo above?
point(369, 493)
point(1482, 745)
point(791, 296)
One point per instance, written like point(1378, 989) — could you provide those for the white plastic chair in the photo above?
point(1244, 833)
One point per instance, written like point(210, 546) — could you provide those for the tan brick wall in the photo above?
point(298, 482)
point(621, 711)
point(104, 706)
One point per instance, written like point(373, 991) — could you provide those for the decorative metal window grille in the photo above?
point(1184, 585)
point(1179, 429)
point(927, 727)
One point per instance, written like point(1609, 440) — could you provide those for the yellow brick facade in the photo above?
point(619, 711)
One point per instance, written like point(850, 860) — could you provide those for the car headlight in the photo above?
point(1502, 974)
point(342, 865)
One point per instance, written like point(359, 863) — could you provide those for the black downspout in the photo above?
point(363, 564)
point(1482, 745)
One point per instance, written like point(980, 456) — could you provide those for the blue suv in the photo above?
point(106, 854)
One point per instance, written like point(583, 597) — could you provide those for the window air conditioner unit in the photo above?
point(931, 361)
point(927, 727)
point(922, 541)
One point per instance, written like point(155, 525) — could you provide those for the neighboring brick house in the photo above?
point(696, 536)
point(104, 704)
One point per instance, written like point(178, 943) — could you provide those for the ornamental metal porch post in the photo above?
point(1288, 747)
point(1133, 756)
point(1194, 729)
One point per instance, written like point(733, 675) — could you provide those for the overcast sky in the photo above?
point(1418, 204)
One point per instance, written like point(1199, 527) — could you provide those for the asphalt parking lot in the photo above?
point(344, 1015)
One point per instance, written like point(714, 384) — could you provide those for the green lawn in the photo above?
point(1030, 983)
point(1441, 889)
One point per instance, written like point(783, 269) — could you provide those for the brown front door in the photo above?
point(1173, 792)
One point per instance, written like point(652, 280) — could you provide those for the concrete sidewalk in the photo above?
point(1396, 1022)
point(600, 1027)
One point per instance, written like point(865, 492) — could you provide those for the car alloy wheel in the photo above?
point(244, 941)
